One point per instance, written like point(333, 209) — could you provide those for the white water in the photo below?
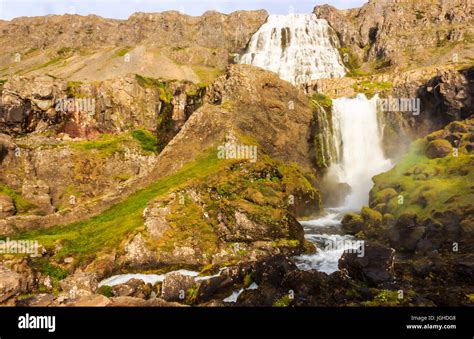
point(358, 142)
point(359, 154)
point(149, 278)
point(298, 47)
point(235, 294)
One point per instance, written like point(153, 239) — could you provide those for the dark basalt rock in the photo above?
point(375, 266)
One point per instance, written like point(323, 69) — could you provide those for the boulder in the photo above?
point(94, 300)
point(375, 266)
point(79, 284)
point(176, 286)
point(7, 206)
point(10, 284)
point(352, 223)
point(438, 148)
point(133, 288)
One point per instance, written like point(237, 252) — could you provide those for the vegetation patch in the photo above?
point(370, 88)
point(146, 139)
point(105, 232)
point(22, 205)
point(321, 100)
point(122, 51)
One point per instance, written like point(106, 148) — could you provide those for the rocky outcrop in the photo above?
point(43, 103)
point(79, 284)
point(375, 266)
point(176, 287)
point(10, 284)
point(168, 45)
point(201, 223)
point(387, 33)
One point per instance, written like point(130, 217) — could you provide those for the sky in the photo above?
point(122, 9)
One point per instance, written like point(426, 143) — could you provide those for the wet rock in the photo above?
point(133, 288)
point(176, 287)
point(352, 223)
point(252, 298)
point(375, 266)
point(208, 288)
point(273, 270)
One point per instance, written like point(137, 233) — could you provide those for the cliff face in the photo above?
point(404, 34)
point(169, 44)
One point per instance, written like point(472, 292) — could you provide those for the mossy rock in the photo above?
point(371, 216)
point(438, 148)
point(352, 223)
point(384, 196)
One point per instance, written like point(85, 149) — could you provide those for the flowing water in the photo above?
point(359, 153)
point(298, 47)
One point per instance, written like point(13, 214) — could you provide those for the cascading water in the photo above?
point(358, 145)
point(359, 156)
point(298, 47)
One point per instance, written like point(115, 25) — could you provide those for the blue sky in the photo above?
point(121, 9)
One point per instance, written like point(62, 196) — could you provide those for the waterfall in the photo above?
point(358, 143)
point(298, 47)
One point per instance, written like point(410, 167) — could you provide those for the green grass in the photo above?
point(122, 51)
point(105, 232)
point(105, 146)
point(146, 139)
point(206, 74)
point(72, 88)
point(432, 181)
point(51, 62)
point(22, 205)
point(161, 85)
point(370, 88)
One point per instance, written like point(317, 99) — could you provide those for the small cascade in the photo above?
point(300, 48)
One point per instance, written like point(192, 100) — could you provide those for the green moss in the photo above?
point(105, 146)
point(248, 280)
point(321, 100)
point(370, 88)
point(351, 62)
point(282, 302)
point(427, 185)
point(390, 298)
point(371, 215)
point(73, 88)
point(51, 62)
point(22, 205)
point(146, 139)
point(207, 74)
point(157, 84)
point(44, 266)
point(122, 51)
point(106, 291)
